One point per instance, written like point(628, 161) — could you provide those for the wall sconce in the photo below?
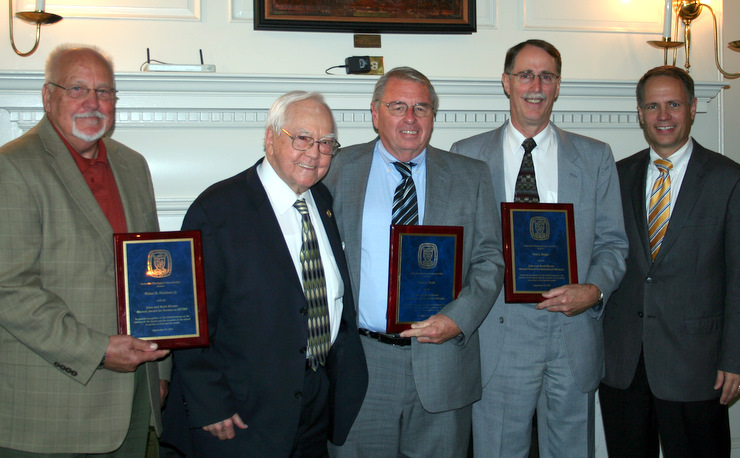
point(687, 11)
point(38, 17)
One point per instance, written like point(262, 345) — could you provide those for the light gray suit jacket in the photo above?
point(58, 300)
point(683, 309)
point(587, 178)
point(447, 376)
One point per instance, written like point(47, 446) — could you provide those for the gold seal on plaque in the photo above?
point(159, 264)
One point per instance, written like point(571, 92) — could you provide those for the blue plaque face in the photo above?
point(426, 284)
point(425, 272)
point(539, 249)
point(161, 288)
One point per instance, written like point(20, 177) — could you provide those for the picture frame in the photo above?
point(367, 16)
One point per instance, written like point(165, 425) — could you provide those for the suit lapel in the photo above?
point(691, 186)
point(351, 193)
point(570, 173)
point(496, 152)
point(636, 184)
point(73, 181)
point(438, 188)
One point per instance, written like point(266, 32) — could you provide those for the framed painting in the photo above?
point(366, 16)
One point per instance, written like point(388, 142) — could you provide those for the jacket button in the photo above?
point(302, 350)
point(649, 280)
point(501, 320)
point(298, 395)
point(640, 314)
point(304, 310)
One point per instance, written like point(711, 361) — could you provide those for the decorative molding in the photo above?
point(198, 129)
point(120, 9)
point(594, 16)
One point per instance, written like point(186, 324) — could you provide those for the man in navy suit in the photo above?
point(261, 388)
point(672, 329)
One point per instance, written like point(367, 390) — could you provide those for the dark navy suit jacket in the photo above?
point(257, 314)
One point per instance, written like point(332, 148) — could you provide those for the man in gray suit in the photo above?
point(672, 329)
point(68, 383)
point(547, 356)
point(422, 382)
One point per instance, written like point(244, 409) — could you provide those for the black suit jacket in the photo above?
point(257, 314)
point(684, 308)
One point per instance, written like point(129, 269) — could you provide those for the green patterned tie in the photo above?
point(314, 288)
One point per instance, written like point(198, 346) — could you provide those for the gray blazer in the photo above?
point(587, 178)
point(58, 300)
point(683, 310)
point(447, 376)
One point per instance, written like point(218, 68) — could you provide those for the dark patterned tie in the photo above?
point(314, 287)
point(405, 205)
point(526, 183)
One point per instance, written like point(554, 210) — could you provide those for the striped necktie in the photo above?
point(660, 206)
point(314, 288)
point(525, 189)
point(405, 205)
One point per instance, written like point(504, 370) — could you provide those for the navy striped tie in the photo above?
point(314, 288)
point(405, 205)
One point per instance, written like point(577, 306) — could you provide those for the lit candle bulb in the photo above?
point(667, 18)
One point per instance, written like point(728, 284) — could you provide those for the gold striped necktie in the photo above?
point(660, 206)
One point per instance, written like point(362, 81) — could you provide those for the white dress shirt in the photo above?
point(282, 199)
point(679, 159)
point(544, 157)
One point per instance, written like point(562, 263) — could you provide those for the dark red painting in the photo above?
point(369, 16)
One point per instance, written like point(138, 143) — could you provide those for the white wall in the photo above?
point(197, 129)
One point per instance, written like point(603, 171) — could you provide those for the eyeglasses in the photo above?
point(528, 77)
point(78, 92)
point(398, 108)
point(327, 146)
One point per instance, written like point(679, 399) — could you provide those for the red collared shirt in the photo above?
point(99, 177)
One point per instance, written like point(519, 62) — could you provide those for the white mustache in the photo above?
point(91, 114)
point(535, 95)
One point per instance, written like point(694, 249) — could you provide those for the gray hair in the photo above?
point(55, 57)
point(277, 114)
point(405, 73)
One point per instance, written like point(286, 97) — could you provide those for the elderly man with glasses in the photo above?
point(285, 370)
point(68, 384)
point(549, 355)
point(422, 381)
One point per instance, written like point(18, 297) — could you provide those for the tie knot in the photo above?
point(664, 165)
point(301, 206)
point(529, 145)
point(404, 168)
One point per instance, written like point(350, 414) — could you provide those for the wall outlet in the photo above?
point(376, 65)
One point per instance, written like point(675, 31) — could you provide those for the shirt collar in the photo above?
point(280, 194)
point(82, 162)
point(388, 158)
point(679, 157)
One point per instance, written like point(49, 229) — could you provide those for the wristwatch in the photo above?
point(600, 302)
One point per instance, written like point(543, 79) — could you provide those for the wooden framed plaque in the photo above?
point(425, 273)
point(161, 289)
point(539, 249)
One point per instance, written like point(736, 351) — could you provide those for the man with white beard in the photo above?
point(68, 383)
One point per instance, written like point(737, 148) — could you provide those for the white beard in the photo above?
point(89, 137)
